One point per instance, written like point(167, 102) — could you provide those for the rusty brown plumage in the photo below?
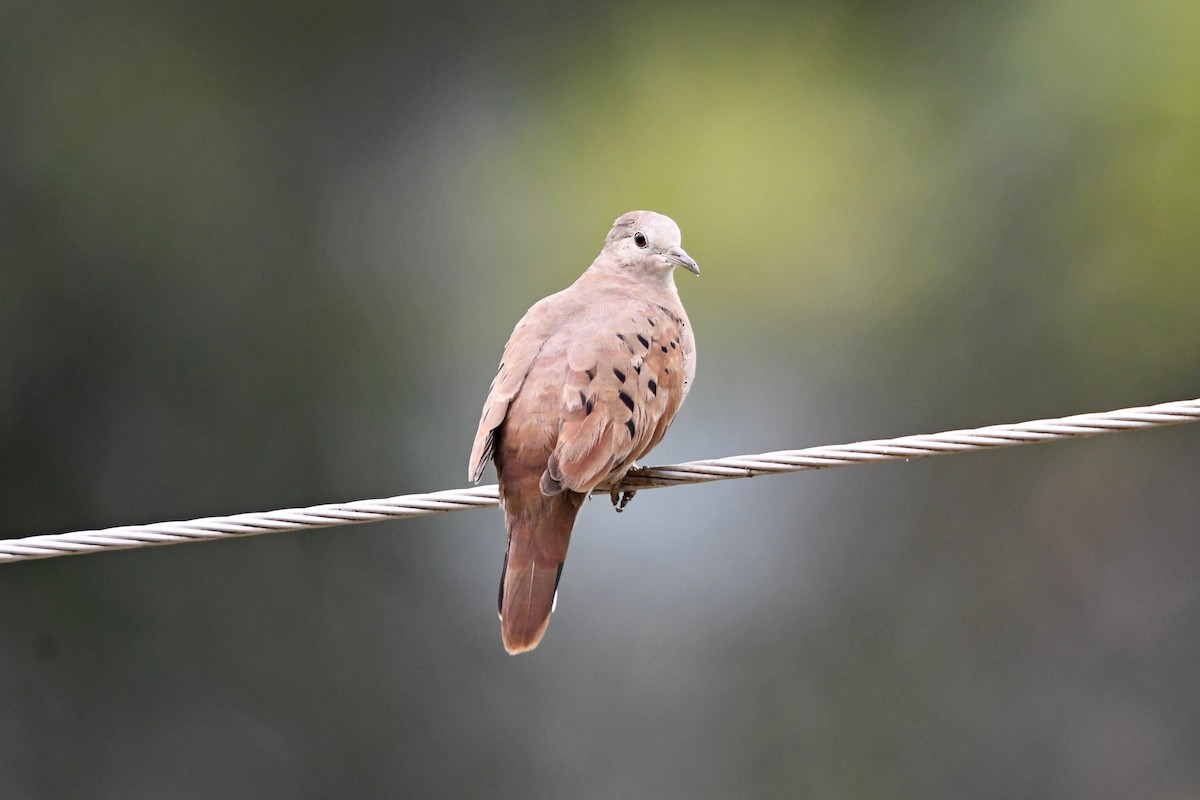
point(589, 382)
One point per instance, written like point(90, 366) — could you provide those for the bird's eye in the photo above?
point(639, 239)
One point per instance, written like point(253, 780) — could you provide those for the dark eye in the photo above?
point(639, 239)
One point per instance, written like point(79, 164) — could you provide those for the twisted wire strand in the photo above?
point(716, 469)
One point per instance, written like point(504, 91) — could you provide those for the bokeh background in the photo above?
point(259, 255)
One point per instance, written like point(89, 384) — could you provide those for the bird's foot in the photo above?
point(621, 499)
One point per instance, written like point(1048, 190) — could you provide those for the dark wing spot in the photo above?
point(591, 373)
point(627, 400)
point(666, 370)
point(589, 405)
point(650, 321)
point(637, 368)
point(632, 428)
point(672, 345)
point(645, 342)
point(620, 375)
point(654, 387)
point(664, 347)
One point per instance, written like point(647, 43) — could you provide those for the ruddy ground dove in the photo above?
point(589, 382)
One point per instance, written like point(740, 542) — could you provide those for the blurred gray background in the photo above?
point(259, 255)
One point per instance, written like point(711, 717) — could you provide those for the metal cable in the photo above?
point(716, 469)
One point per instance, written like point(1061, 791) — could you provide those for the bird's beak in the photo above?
point(678, 257)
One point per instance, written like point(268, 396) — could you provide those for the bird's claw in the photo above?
point(619, 498)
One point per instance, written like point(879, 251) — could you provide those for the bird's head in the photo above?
point(647, 243)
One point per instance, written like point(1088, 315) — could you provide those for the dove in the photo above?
point(589, 382)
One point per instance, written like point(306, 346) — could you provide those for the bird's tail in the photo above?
point(537, 547)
